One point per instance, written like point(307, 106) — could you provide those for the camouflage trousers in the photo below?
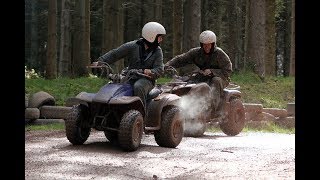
point(217, 85)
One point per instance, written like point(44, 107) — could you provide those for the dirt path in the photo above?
point(49, 155)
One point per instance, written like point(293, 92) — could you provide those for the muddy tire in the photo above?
point(31, 114)
point(75, 134)
point(39, 99)
point(130, 130)
point(235, 119)
point(112, 136)
point(171, 132)
point(26, 101)
point(55, 112)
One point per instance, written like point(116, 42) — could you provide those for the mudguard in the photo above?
point(228, 93)
point(109, 91)
point(155, 108)
point(82, 98)
point(131, 102)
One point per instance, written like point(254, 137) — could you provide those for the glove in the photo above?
point(207, 72)
point(98, 63)
point(167, 67)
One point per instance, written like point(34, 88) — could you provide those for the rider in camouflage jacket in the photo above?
point(212, 61)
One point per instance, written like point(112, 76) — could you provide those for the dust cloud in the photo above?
point(193, 108)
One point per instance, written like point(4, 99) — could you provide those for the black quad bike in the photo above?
point(122, 116)
point(197, 99)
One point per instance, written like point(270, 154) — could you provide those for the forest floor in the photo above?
point(249, 155)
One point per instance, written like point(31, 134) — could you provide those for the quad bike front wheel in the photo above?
point(130, 130)
point(76, 134)
point(171, 132)
point(235, 120)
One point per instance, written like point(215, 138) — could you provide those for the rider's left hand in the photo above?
point(207, 72)
point(147, 72)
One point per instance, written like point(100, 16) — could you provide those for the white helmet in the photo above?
point(151, 30)
point(207, 37)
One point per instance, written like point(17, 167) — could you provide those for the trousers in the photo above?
point(141, 88)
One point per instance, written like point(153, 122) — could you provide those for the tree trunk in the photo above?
point(158, 11)
point(232, 38)
point(191, 29)
point(119, 29)
point(65, 42)
point(112, 30)
point(221, 29)
point(246, 35)
point(87, 47)
point(34, 37)
point(270, 59)
point(82, 39)
point(167, 22)
point(209, 15)
point(293, 41)
point(241, 16)
point(51, 66)
point(177, 29)
point(256, 37)
point(287, 38)
point(132, 20)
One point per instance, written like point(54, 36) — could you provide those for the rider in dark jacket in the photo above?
point(145, 54)
point(213, 62)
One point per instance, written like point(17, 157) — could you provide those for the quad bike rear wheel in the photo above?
point(130, 130)
point(171, 131)
point(76, 134)
point(235, 120)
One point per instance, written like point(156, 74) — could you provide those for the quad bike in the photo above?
point(197, 100)
point(122, 116)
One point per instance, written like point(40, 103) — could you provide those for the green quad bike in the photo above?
point(197, 101)
point(122, 116)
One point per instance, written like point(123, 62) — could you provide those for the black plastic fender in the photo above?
point(132, 102)
point(82, 98)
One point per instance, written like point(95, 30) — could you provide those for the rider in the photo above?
point(214, 64)
point(144, 54)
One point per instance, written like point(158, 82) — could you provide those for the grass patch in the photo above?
point(269, 127)
point(272, 92)
point(63, 88)
point(53, 126)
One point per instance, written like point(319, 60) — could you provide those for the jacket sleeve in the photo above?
point(158, 66)
point(117, 53)
point(225, 66)
point(183, 59)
